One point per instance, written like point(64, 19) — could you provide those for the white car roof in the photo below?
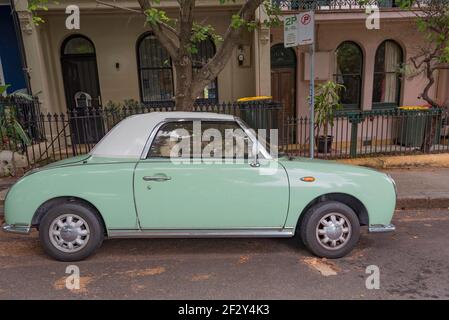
point(127, 139)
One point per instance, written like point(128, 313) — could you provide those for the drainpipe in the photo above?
point(23, 58)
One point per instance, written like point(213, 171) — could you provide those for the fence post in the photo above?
point(354, 120)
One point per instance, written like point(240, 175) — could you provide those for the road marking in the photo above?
point(326, 268)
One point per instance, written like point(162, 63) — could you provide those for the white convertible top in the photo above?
point(127, 138)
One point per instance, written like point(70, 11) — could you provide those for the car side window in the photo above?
point(224, 140)
point(200, 139)
point(168, 137)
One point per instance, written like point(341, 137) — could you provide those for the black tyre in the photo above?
point(71, 231)
point(330, 229)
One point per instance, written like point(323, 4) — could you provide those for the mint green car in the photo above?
point(141, 180)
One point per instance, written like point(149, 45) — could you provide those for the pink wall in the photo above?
point(331, 33)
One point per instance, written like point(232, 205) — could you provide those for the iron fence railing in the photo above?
point(25, 110)
point(352, 134)
point(369, 133)
point(338, 4)
point(63, 135)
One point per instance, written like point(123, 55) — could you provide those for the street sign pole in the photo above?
point(312, 96)
point(299, 30)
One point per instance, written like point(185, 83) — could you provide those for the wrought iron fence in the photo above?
point(24, 110)
point(63, 135)
point(369, 133)
point(323, 5)
point(352, 134)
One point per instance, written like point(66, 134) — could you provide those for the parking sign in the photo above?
point(306, 21)
point(291, 31)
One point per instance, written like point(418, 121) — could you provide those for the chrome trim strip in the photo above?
point(377, 228)
point(203, 233)
point(17, 228)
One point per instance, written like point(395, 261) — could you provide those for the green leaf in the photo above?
point(155, 16)
point(3, 88)
point(17, 128)
point(327, 100)
point(236, 21)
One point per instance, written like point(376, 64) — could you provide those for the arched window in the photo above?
point(387, 79)
point(348, 72)
point(80, 72)
point(77, 45)
point(282, 57)
point(205, 51)
point(155, 70)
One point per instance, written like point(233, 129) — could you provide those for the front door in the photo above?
point(208, 194)
point(283, 89)
point(283, 85)
point(82, 89)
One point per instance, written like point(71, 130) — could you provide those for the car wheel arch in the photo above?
point(47, 205)
point(349, 200)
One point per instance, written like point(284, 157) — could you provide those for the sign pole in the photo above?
point(299, 30)
point(312, 97)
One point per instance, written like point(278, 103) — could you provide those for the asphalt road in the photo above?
point(413, 263)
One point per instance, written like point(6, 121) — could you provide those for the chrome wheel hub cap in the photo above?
point(333, 231)
point(69, 233)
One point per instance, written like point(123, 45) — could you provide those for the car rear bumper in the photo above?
point(377, 228)
point(17, 228)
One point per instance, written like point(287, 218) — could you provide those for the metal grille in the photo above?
point(155, 71)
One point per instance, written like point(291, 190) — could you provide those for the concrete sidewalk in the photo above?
point(417, 187)
point(421, 188)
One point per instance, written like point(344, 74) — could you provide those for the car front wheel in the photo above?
point(70, 231)
point(330, 229)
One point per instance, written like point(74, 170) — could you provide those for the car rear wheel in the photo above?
point(330, 229)
point(70, 231)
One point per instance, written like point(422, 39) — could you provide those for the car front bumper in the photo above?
point(17, 228)
point(377, 228)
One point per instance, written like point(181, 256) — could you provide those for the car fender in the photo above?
point(107, 187)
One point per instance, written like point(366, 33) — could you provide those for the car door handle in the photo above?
point(156, 178)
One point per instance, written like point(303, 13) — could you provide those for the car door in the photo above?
point(205, 191)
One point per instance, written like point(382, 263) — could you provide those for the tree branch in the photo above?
point(117, 6)
point(210, 71)
point(185, 24)
point(158, 29)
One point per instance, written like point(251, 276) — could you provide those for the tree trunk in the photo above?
point(430, 83)
point(431, 124)
point(184, 100)
point(429, 134)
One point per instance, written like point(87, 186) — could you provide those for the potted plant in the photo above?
point(327, 101)
point(11, 132)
